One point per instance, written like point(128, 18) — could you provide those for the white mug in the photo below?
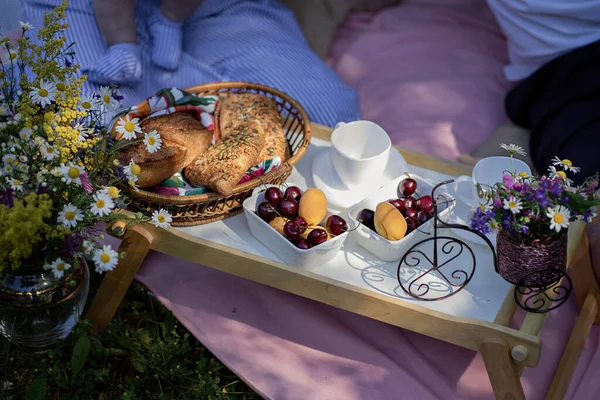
point(486, 173)
point(360, 152)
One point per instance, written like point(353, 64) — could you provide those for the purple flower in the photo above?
point(7, 196)
point(71, 244)
point(545, 183)
point(42, 190)
point(480, 219)
point(86, 184)
point(120, 173)
point(541, 197)
point(508, 181)
point(556, 189)
point(497, 202)
point(517, 186)
point(524, 230)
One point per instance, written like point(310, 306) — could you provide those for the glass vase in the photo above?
point(38, 310)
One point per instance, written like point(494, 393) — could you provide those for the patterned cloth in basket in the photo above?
point(168, 101)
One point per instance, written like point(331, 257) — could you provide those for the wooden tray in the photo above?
point(505, 351)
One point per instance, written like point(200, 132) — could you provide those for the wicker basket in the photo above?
point(210, 207)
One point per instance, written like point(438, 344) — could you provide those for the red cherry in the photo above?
point(288, 208)
point(317, 236)
point(424, 203)
point(293, 193)
point(336, 225)
point(367, 218)
point(301, 243)
point(291, 230)
point(412, 224)
point(399, 204)
point(410, 213)
point(266, 211)
point(273, 195)
point(422, 216)
point(408, 186)
point(409, 202)
point(301, 222)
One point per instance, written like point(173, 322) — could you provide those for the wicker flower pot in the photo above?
point(532, 264)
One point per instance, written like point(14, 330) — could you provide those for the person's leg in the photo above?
point(260, 41)
point(572, 133)
point(166, 29)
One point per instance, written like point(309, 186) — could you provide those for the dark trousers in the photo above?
point(560, 104)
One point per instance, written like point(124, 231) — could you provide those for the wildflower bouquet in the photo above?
point(536, 208)
point(58, 174)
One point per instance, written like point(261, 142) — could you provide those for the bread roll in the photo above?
point(223, 165)
point(238, 109)
point(183, 139)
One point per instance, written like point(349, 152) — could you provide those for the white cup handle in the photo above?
point(461, 181)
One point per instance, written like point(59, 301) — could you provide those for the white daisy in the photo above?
point(107, 100)
point(10, 159)
point(44, 95)
point(486, 207)
point(59, 267)
point(513, 204)
point(102, 205)
point(162, 218)
point(111, 192)
point(49, 152)
point(25, 134)
point(559, 217)
point(83, 130)
point(106, 259)
point(88, 104)
point(15, 184)
point(3, 109)
point(70, 215)
point(72, 173)
point(513, 149)
point(152, 141)
point(39, 141)
point(128, 127)
point(25, 25)
point(554, 173)
point(132, 171)
point(566, 164)
point(133, 184)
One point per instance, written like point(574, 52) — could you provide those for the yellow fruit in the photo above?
point(313, 206)
point(389, 222)
point(278, 223)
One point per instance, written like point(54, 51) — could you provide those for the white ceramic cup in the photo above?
point(486, 173)
point(360, 152)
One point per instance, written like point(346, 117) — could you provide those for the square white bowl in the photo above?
point(382, 248)
point(291, 255)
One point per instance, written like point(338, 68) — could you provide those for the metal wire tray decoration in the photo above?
point(551, 290)
point(445, 273)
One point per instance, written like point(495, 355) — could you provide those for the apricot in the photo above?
point(278, 223)
point(313, 206)
point(389, 222)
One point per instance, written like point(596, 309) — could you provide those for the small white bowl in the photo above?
point(305, 259)
point(384, 249)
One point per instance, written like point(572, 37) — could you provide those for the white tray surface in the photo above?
point(480, 299)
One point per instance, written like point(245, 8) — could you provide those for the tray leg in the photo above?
point(501, 370)
point(136, 243)
point(568, 362)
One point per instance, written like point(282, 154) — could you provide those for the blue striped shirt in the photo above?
point(225, 40)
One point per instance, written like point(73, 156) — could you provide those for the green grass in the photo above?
point(143, 354)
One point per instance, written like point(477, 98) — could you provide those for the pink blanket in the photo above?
point(433, 78)
point(428, 71)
